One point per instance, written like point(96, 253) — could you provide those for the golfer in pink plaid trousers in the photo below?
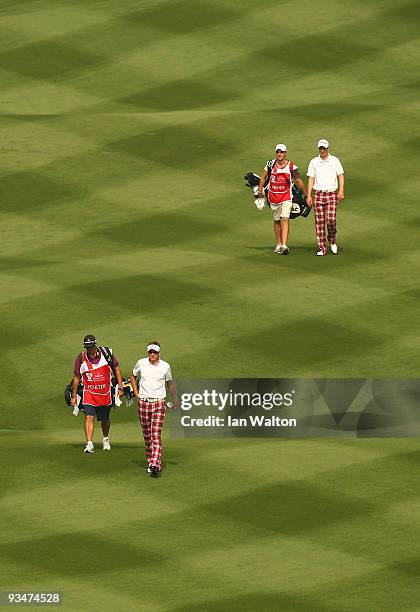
point(326, 175)
point(155, 374)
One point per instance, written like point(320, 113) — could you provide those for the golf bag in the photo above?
point(127, 388)
point(68, 391)
point(128, 392)
point(299, 205)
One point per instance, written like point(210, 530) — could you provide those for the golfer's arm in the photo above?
point(172, 390)
point(310, 184)
point(76, 380)
point(262, 182)
point(341, 183)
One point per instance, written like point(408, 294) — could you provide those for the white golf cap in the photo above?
point(323, 143)
point(281, 147)
point(153, 347)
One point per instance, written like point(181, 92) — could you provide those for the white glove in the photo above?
point(259, 203)
point(76, 409)
point(117, 400)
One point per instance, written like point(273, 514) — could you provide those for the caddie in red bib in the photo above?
point(94, 367)
point(96, 380)
point(281, 174)
point(280, 185)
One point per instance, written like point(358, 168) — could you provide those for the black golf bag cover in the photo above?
point(299, 205)
point(68, 392)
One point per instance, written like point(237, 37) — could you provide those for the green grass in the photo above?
point(126, 129)
point(329, 525)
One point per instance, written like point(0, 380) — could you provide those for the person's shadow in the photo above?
point(143, 464)
point(301, 248)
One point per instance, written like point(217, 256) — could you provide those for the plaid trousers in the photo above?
point(325, 205)
point(152, 415)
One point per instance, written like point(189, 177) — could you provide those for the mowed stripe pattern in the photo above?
point(326, 525)
point(126, 129)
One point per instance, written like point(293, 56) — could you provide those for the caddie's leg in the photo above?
point(106, 425)
point(158, 417)
point(89, 426)
point(284, 230)
point(320, 222)
point(277, 231)
point(331, 211)
point(145, 422)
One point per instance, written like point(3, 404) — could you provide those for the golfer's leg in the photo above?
point(320, 225)
point(157, 423)
point(144, 416)
point(332, 218)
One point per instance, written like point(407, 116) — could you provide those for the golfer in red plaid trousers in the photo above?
point(155, 374)
point(326, 175)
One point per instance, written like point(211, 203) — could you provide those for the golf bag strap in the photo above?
point(108, 356)
point(270, 166)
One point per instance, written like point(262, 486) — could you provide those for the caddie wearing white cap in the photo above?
point(326, 175)
point(281, 174)
point(155, 374)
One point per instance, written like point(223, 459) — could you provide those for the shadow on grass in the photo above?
point(47, 59)
point(138, 291)
point(293, 248)
point(177, 146)
point(143, 464)
point(179, 95)
point(70, 554)
point(291, 508)
point(8, 264)
point(275, 601)
point(161, 229)
point(98, 445)
point(184, 16)
point(31, 191)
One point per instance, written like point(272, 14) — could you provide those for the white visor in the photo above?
point(153, 347)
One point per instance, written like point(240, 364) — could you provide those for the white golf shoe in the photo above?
point(105, 444)
point(334, 248)
point(89, 448)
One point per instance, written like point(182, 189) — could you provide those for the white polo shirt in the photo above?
point(325, 172)
point(152, 378)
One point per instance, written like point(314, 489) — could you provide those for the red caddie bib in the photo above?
point(280, 186)
point(96, 382)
